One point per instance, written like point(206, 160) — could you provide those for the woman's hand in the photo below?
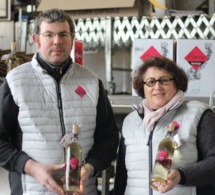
point(172, 180)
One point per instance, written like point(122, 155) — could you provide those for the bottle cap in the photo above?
point(75, 129)
point(171, 127)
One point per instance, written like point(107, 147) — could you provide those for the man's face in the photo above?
point(54, 42)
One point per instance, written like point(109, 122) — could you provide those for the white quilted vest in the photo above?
point(136, 136)
point(35, 93)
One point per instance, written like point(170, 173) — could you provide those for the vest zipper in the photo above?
point(149, 144)
point(59, 99)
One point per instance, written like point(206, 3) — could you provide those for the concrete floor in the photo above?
point(4, 185)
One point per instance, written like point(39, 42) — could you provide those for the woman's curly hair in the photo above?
point(177, 73)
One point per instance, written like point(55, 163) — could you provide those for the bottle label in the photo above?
point(66, 140)
point(177, 140)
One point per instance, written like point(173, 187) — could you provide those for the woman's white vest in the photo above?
point(136, 137)
point(34, 92)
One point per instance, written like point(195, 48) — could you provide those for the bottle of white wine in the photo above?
point(12, 60)
point(73, 163)
point(163, 161)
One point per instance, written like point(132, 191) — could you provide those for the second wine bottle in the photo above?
point(164, 157)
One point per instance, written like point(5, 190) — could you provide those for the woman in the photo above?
point(162, 85)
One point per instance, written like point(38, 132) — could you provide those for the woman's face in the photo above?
point(158, 95)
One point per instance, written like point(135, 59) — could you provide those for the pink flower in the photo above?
point(177, 125)
point(74, 163)
point(162, 155)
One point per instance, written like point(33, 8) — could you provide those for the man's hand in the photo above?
point(43, 174)
point(86, 171)
point(172, 180)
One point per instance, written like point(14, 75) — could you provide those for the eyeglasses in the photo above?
point(51, 35)
point(164, 80)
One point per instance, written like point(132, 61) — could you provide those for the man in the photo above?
point(41, 101)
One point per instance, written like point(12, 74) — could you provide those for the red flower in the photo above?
point(74, 163)
point(162, 155)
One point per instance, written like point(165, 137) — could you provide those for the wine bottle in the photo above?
point(12, 60)
point(163, 161)
point(73, 163)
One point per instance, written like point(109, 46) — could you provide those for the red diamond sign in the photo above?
point(81, 91)
point(196, 58)
point(149, 53)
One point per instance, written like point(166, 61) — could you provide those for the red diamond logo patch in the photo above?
point(196, 58)
point(149, 53)
point(81, 91)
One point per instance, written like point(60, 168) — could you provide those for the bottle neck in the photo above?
point(13, 53)
point(75, 136)
point(13, 49)
point(169, 134)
